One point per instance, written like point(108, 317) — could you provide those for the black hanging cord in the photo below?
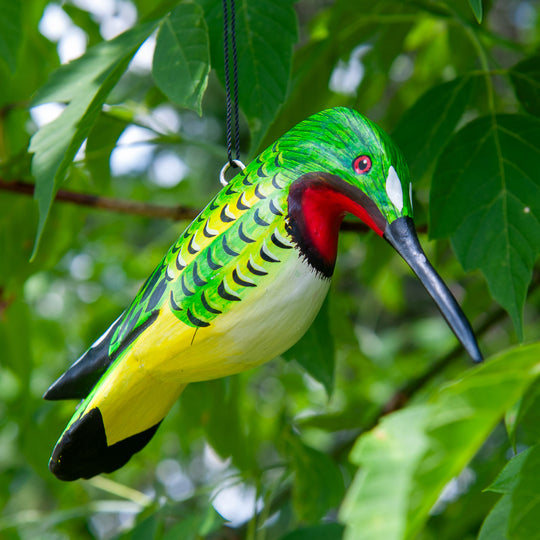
point(229, 34)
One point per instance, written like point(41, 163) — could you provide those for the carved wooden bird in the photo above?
point(242, 284)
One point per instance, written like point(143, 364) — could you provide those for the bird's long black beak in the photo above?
point(401, 235)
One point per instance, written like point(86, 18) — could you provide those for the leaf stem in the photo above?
point(125, 492)
point(482, 56)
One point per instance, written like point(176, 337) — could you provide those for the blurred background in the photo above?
point(264, 452)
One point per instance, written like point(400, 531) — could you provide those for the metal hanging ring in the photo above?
point(226, 167)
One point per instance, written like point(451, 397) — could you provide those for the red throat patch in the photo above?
point(323, 210)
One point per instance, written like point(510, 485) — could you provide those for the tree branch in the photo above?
point(108, 203)
point(176, 213)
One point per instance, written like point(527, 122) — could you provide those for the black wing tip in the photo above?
point(82, 452)
point(56, 391)
point(68, 387)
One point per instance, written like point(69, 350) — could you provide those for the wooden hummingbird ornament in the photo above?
point(242, 284)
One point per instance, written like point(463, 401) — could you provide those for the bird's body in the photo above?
point(239, 287)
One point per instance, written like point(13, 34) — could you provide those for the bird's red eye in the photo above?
point(362, 164)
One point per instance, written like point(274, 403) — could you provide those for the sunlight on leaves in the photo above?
point(84, 84)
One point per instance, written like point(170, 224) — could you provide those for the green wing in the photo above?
point(222, 255)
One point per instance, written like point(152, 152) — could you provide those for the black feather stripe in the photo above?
point(267, 256)
point(243, 235)
point(185, 290)
point(196, 278)
point(190, 247)
point(240, 205)
point(167, 276)
point(148, 286)
point(224, 217)
point(274, 209)
point(195, 320)
point(174, 305)
point(207, 306)
point(237, 279)
point(179, 265)
point(254, 271)
point(258, 193)
point(206, 232)
point(155, 297)
point(213, 265)
point(258, 219)
point(275, 182)
point(278, 243)
point(227, 249)
point(226, 295)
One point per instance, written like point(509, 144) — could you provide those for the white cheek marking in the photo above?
point(410, 195)
point(393, 189)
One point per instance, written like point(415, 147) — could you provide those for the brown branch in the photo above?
point(108, 203)
point(176, 213)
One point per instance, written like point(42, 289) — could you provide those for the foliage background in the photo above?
point(267, 454)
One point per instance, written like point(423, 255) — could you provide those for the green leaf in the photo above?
point(84, 19)
point(99, 146)
point(146, 529)
point(265, 34)
point(182, 58)
point(528, 415)
point(218, 404)
point(478, 10)
point(11, 31)
point(318, 483)
point(508, 478)
point(84, 84)
point(486, 197)
point(326, 531)
point(389, 456)
point(315, 352)
point(526, 499)
point(198, 524)
point(525, 77)
point(408, 459)
point(425, 129)
point(515, 516)
point(496, 524)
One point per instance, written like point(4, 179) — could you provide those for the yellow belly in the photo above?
point(169, 354)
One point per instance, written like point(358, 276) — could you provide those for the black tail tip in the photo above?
point(82, 452)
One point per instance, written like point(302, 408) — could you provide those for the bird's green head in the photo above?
point(355, 158)
point(340, 162)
